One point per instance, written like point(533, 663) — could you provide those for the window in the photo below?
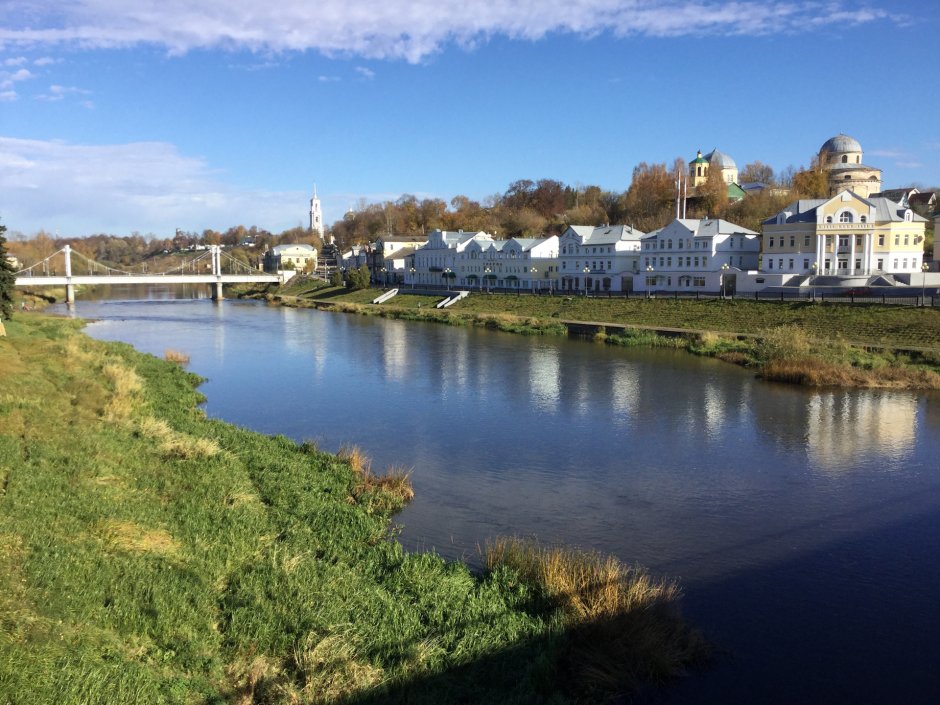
point(895, 262)
point(806, 241)
point(863, 219)
point(805, 264)
point(780, 263)
point(828, 241)
point(907, 239)
point(858, 240)
point(704, 262)
point(790, 264)
point(897, 239)
point(904, 264)
point(858, 263)
point(669, 261)
point(845, 159)
point(881, 264)
point(881, 240)
point(771, 242)
point(845, 217)
point(698, 281)
point(770, 264)
point(828, 218)
point(792, 241)
point(696, 262)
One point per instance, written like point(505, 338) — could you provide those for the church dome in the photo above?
point(841, 143)
point(720, 159)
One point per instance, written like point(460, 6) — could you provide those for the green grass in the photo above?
point(151, 555)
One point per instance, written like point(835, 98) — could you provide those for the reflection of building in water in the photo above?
point(625, 385)
point(394, 350)
point(845, 427)
point(544, 377)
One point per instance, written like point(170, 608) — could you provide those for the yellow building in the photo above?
point(699, 167)
point(844, 235)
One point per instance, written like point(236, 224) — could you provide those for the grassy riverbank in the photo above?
point(151, 555)
point(797, 342)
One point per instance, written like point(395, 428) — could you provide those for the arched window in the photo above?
point(845, 217)
point(698, 171)
point(845, 158)
point(828, 218)
point(863, 219)
point(670, 244)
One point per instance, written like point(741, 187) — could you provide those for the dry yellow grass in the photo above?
point(134, 538)
point(622, 625)
point(126, 384)
point(358, 461)
point(174, 444)
point(180, 358)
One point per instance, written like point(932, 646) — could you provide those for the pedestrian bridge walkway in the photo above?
point(213, 267)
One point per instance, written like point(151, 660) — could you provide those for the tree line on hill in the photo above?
point(526, 209)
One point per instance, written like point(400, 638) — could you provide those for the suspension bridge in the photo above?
point(213, 267)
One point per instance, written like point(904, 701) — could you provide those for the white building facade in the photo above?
point(703, 256)
point(598, 259)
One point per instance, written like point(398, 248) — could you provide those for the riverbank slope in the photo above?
point(149, 554)
point(801, 342)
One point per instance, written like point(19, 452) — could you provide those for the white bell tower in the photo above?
point(316, 215)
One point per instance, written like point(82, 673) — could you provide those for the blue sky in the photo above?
point(148, 115)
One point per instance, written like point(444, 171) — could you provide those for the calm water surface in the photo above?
point(804, 525)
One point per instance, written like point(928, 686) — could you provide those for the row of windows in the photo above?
point(594, 265)
point(844, 240)
point(844, 264)
point(577, 250)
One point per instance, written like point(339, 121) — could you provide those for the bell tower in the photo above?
point(316, 215)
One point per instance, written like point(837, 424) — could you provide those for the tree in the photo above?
point(7, 279)
point(336, 278)
point(812, 182)
point(712, 196)
point(757, 172)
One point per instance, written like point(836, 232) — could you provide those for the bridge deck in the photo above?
point(90, 279)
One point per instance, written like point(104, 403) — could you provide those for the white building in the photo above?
point(599, 259)
point(297, 257)
point(691, 255)
point(520, 264)
point(436, 261)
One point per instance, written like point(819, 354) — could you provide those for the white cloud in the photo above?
point(57, 93)
point(402, 29)
point(8, 78)
point(328, 79)
point(46, 61)
point(366, 73)
point(15, 61)
point(144, 186)
point(8, 96)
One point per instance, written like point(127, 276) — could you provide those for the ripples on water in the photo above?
point(803, 524)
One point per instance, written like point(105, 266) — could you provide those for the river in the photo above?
point(804, 525)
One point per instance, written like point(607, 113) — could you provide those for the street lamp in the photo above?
point(586, 271)
point(923, 283)
point(445, 275)
point(649, 279)
point(384, 276)
point(486, 275)
point(724, 268)
point(412, 270)
point(813, 278)
point(534, 271)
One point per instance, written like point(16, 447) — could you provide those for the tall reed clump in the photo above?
point(620, 626)
point(180, 358)
point(381, 494)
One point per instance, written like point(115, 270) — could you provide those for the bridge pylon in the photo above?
point(69, 286)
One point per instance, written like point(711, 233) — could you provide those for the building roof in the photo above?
point(609, 234)
point(896, 194)
point(400, 253)
point(707, 227)
point(841, 143)
point(722, 160)
point(886, 210)
point(280, 249)
point(699, 159)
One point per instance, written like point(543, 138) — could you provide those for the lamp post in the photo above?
point(384, 276)
point(412, 270)
point(486, 275)
point(586, 271)
point(923, 283)
point(445, 275)
point(649, 279)
point(813, 278)
point(724, 268)
point(533, 271)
